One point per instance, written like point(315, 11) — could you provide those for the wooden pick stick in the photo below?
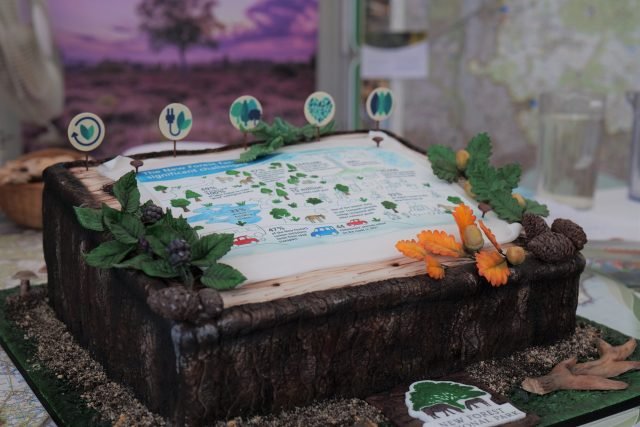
point(317, 133)
point(174, 148)
point(377, 125)
point(244, 140)
point(86, 161)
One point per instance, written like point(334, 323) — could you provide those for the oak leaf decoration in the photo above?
point(435, 270)
point(411, 249)
point(492, 237)
point(493, 267)
point(464, 216)
point(440, 243)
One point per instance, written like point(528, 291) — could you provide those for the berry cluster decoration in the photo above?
point(179, 252)
point(145, 238)
point(553, 244)
point(151, 213)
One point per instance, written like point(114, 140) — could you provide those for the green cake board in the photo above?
point(562, 408)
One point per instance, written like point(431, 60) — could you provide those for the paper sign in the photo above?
point(319, 108)
point(86, 132)
point(175, 121)
point(245, 113)
point(406, 62)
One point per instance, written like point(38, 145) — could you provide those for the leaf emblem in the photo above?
point(183, 123)
point(87, 132)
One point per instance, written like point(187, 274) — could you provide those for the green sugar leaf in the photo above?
point(506, 207)
point(484, 182)
point(107, 254)
point(128, 230)
point(210, 248)
point(535, 208)
point(510, 175)
point(221, 277)
point(91, 219)
point(443, 162)
point(159, 268)
point(136, 262)
point(455, 200)
point(126, 192)
point(479, 148)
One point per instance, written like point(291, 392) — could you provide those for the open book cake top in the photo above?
point(322, 205)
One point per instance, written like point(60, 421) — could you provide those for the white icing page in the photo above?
point(337, 202)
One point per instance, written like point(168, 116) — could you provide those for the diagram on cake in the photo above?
point(305, 198)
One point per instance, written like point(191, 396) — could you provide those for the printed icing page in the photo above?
point(339, 201)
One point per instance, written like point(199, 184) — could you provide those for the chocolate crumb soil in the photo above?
point(505, 374)
point(57, 351)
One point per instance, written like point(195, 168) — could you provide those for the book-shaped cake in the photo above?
point(329, 306)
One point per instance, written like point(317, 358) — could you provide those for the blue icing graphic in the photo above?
point(320, 108)
point(231, 213)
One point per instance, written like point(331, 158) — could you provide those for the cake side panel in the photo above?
point(100, 308)
point(363, 350)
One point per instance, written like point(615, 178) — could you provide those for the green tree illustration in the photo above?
point(279, 213)
point(180, 23)
point(342, 188)
point(282, 193)
point(189, 194)
point(428, 393)
point(266, 190)
point(314, 201)
point(232, 172)
point(181, 203)
point(161, 188)
point(390, 205)
point(293, 180)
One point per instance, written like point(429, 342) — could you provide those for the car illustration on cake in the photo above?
point(244, 240)
point(355, 222)
point(324, 231)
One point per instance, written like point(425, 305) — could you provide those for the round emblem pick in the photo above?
point(380, 104)
point(175, 121)
point(245, 113)
point(319, 108)
point(86, 132)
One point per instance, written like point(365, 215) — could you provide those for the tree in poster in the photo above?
point(180, 23)
point(190, 194)
point(279, 213)
point(342, 188)
point(314, 201)
point(181, 203)
point(281, 193)
point(390, 205)
point(161, 188)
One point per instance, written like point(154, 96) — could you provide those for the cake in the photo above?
point(329, 307)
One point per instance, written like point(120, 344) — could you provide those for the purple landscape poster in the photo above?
point(125, 59)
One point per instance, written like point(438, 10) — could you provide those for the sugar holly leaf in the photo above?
point(210, 248)
point(479, 148)
point(443, 162)
point(221, 277)
point(91, 219)
point(506, 207)
point(159, 268)
point(126, 191)
point(107, 254)
point(509, 175)
point(535, 208)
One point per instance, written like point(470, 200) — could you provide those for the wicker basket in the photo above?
point(22, 203)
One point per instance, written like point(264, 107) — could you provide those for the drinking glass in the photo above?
point(571, 125)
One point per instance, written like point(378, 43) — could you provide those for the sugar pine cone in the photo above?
point(572, 230)
point(551, 247)
point(534, 225)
